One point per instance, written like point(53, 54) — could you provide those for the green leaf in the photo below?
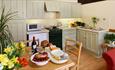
point(5, 35)
point(17, 65)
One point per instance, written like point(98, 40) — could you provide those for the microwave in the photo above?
point(33, 27)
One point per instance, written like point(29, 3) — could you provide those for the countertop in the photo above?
point(93, 30)
point(82, 28)
point(66, 28)
point(38, 31)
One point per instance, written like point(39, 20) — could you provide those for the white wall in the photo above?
point(50, 17)
point(102, 10)
point(51, 22)
point(69, 0)
point(61, 0)
point(0, 6)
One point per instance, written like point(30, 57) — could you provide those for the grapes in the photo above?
point(44, 53)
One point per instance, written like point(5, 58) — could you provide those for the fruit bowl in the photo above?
point(39, 63)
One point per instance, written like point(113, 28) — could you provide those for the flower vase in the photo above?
point(16, 69)
point(94, 25)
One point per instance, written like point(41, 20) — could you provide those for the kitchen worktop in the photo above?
point(94, 30)
point(83, 28)
point(38, 31)
point(64, 28)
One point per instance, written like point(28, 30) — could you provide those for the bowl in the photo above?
point(42, 63)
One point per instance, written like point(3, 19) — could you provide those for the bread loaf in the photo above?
point(44, 43)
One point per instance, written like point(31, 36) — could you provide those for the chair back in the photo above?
point(73, 47)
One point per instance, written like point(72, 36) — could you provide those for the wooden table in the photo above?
point(49, 66)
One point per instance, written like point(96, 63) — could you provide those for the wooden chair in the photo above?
point(74, 48)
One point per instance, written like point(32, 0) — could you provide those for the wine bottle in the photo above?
point(34, 45)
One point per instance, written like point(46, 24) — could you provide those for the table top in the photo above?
point(49, 66)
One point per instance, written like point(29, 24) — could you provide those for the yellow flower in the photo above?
point(1, 57)
point(14, 59)
point(4, 60)
point(8, 50)
point(17, 45)
point(20, 45)
point(10, 64)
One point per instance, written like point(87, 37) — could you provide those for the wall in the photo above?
point(0, 6)
point(69, 0)
point(51, 22)
point(50, 17)
point(62, 0)
point(104, 10)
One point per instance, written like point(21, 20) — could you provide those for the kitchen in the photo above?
point(43, 18)
point(34, 17)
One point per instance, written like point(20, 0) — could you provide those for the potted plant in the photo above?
point(5, 35)
point(94, 20)
point(109, 38)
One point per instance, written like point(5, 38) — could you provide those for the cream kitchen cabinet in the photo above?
point(68, 33)
point(65, 10)
point(18, 6)
point(18, 29)
point(35, 9)
point(91, 39)
point(76, 10)
point(70, 10)
point(81, 36)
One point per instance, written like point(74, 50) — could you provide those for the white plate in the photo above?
point(63, 60)
point(57, 53)
point(38, 63)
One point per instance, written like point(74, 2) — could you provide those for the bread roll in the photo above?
point(44, 43)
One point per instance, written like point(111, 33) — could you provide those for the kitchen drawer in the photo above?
point(71, 31)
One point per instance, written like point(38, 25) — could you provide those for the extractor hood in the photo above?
point(51, 6)
point(52, 9)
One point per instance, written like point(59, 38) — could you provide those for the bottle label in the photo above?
point(34, 46)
